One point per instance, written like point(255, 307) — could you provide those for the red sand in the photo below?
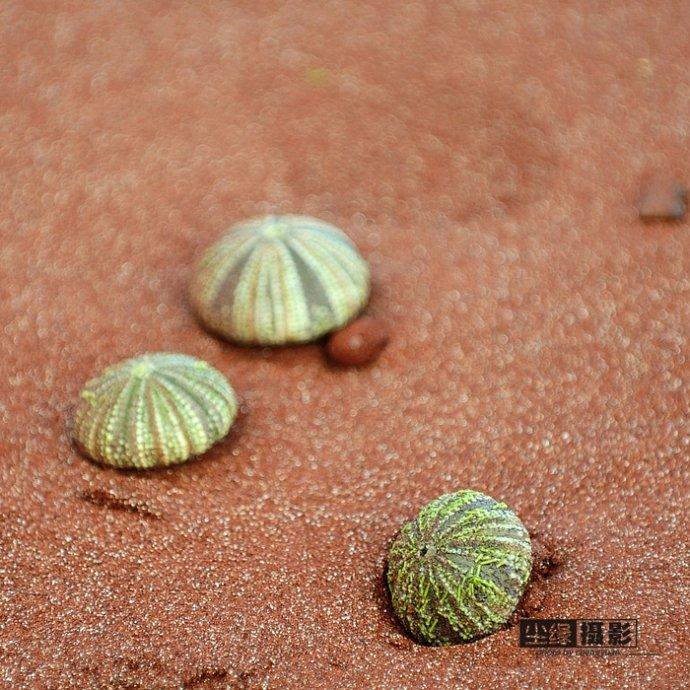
point(486, 158)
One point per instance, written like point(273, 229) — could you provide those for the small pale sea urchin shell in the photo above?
point(276, 280)
point(457, 572)
point(154, 410)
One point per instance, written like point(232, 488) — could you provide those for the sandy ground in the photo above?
point(486, 157)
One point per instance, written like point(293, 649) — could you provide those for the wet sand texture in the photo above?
point(486, 159)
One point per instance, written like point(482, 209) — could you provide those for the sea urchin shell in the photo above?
point(154, 410)
point(280, 279)
point(457, 572)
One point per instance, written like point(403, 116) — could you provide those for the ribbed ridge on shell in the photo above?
point(457, 572)
point(280, 279)
point(154, 410)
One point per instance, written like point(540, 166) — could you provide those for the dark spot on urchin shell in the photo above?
point(427, 551)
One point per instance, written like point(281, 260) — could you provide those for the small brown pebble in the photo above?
point(360, 342)
point(663, 198)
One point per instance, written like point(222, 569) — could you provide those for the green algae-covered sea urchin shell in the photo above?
point(154, 410)
point(457, 572)
point(277, 280)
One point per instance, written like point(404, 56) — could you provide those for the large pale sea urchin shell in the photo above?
point(457, 572)
point(280, 279)
point(154, 410)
